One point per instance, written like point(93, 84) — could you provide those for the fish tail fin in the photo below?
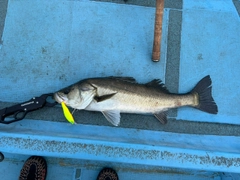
point(203, 89)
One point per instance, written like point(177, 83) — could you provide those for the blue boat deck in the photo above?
point(48, 45)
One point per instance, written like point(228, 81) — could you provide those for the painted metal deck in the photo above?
point(47, 45)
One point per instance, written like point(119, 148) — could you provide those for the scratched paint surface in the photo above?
point(64, 43)
point(87, 142)
point(210, 46)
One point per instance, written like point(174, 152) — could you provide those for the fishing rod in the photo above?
point(157, 30)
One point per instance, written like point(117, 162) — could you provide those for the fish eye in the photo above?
point(66, 91)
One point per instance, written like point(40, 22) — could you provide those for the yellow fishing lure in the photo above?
point(67, 113)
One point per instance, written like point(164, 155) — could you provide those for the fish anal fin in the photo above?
point(157, 83)
point(161, 116)
point(113, 116)
point(104, 97)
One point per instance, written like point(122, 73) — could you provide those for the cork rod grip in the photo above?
point(157, 30)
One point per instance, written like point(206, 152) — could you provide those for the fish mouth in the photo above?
point(60, 97)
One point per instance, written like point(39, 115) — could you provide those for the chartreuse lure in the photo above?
point(67, 113)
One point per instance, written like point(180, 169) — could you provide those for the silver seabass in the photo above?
point(113, 95)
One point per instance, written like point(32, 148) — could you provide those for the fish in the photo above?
point(115, 95)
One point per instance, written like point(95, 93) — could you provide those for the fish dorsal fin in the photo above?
point(126, 79)
point(104, 97)
point(157, 83)
point(113, 116)
point(161, 116)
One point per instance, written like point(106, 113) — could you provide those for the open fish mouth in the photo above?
point(60, 97)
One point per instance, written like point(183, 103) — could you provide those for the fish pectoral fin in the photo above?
point(113, 116)
point(161, 116)
point(104, 97)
